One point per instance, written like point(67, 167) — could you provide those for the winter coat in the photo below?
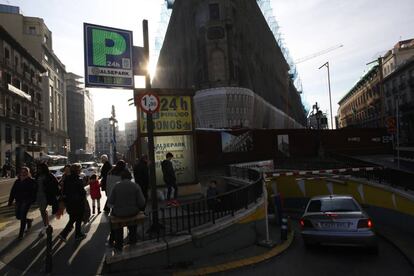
point(23, 191)
point(74, 195)
point(104, 172)
point(126, 198)
point(111, 181)
point(51, 188)
point(141, 174)
point(168, 171)
point(94, 189)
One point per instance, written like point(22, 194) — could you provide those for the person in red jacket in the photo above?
point(95, 191)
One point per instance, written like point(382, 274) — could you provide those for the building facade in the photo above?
point(362, 106)
point(383, 94)
point(80, 116)
point(33, 34)
point(22, 125)
point(130, 133)
point(104, 137)
point(212, 47)
point(399, 101)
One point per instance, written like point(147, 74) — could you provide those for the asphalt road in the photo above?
point(330, 260)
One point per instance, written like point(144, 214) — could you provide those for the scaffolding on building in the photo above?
point(267, 10)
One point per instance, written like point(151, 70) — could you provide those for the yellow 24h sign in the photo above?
point(175, 115)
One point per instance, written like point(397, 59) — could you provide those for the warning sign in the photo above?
point(174, 115)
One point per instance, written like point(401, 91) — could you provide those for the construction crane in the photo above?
point(319, 53)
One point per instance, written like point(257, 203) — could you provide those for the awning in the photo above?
point(19, 92)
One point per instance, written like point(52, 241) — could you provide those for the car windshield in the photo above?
point(333, 205)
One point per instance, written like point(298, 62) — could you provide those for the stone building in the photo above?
point(80, 114)
point(22, 125)
point(226, 51)
point(33, 34)
point(362, 105)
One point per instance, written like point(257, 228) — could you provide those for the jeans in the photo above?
point(77, 219)
point(22, 208)
point(119, 236)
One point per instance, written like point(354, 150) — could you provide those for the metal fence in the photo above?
point(394, 178)
point(178, 220)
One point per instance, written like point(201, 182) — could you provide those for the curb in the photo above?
point(385, 237)
point(277, 250)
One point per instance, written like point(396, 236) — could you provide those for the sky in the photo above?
point(366, 28)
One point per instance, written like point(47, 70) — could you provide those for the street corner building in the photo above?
point(227, 52)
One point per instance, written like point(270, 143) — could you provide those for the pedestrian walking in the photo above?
point(114, 177)
point(106, 167)
point(127, 200)
point(95, 192)
point(74, 196)
point(169, 179)
point(141, 175)
point(47, 193)
point(24, 192)
point(212, 196)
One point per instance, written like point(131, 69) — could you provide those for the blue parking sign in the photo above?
point(108, 57)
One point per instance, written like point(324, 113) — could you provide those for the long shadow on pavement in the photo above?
point(71, 258)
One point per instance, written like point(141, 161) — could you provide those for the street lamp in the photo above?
point(114, 123)
point(329, 86)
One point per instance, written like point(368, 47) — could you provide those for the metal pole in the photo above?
point(155, 227)
point(329, 86)
point(398, 129)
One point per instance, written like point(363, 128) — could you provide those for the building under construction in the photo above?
point(227, 51)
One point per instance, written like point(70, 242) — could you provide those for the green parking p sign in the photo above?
point(108, 57)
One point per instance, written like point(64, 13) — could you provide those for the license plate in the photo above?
point(334, 225)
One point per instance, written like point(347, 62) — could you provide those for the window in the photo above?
point(6, 53)
point(45, 39)
point(18, 135)
point(8, 134)
point(214, 11)
point(32, 30)
point(26, 136)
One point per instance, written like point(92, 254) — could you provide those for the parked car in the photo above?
point(88, 169)
point(337, 220)
point(57, 171)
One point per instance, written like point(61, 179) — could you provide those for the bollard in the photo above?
point(49, 263)
point(284, 229)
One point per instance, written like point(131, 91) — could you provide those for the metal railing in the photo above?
point(182, 219)
point(389, 177)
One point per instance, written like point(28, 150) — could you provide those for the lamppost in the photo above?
point(114, 123)
point(329, 87)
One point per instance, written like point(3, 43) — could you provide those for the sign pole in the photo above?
point(155, 227)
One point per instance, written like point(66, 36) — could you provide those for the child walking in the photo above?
point(95, 191)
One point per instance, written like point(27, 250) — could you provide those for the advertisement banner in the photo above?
point(181, 146)
point(174, 115)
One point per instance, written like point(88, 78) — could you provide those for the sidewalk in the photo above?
point(87, 257)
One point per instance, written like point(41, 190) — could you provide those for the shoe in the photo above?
point(29, 224)
point(42, 231)
point(80, 237)
point(62, 238)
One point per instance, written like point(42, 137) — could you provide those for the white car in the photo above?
point(90, 168)
point(57, 171)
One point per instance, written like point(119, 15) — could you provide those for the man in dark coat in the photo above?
point(24, 192)
point(104, 173)
point(141, 175)
point(169, 178)
point(74, 196)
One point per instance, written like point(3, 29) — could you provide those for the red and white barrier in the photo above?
point(330, 171)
